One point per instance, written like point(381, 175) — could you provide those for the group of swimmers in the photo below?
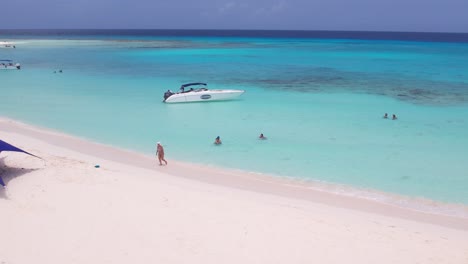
point(160, 148)
point(218, 139)
point(393, 116)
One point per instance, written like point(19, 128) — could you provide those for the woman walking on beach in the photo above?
point(160, 153)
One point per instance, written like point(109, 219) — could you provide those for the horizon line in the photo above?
point(182, 29)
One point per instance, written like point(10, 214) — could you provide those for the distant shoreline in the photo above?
point(457, 37)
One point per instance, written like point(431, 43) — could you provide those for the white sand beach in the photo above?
point(130, 210)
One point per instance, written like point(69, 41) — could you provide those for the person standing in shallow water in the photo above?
point(160, 153)
point(217, 141)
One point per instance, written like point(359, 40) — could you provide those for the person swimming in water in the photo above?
point(394, 117)
point(385, 116)
point(262, 136)
point(217, 141)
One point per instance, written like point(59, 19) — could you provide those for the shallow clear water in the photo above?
point(319, 101)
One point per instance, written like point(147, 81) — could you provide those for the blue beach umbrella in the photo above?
point(7, 147)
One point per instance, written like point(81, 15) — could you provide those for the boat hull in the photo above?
point(9, 68)
point(204, 96)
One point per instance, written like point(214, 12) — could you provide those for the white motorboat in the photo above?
point(199, 93)
point(9, 65)
point(4, 44)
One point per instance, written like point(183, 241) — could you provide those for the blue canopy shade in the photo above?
point(7, 147)
point(190, 84)
point(6, 60)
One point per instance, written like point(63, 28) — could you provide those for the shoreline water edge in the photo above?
point(86, 202)
point(366, 200)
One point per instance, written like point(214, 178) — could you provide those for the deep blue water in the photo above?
point(288, 34)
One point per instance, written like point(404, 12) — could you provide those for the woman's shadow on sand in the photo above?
point(8, 174)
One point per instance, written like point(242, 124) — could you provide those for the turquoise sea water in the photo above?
point(320, 102)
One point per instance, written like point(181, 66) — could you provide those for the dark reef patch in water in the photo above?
point(428, 92)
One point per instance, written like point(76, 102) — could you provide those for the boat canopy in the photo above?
point(6, 60)
point(190, 84)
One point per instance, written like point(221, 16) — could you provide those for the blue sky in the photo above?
point(378, 15)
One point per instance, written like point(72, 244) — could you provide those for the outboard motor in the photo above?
point(167, 94)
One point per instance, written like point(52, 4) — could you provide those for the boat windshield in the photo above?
point(188, 87)
point(191, 84)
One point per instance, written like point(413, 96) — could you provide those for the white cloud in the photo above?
point(275, 8)
point(278, 7)
point(227, 6)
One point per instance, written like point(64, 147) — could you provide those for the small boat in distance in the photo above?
point(9, 65)
point(199, 93)
point(4, 44)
